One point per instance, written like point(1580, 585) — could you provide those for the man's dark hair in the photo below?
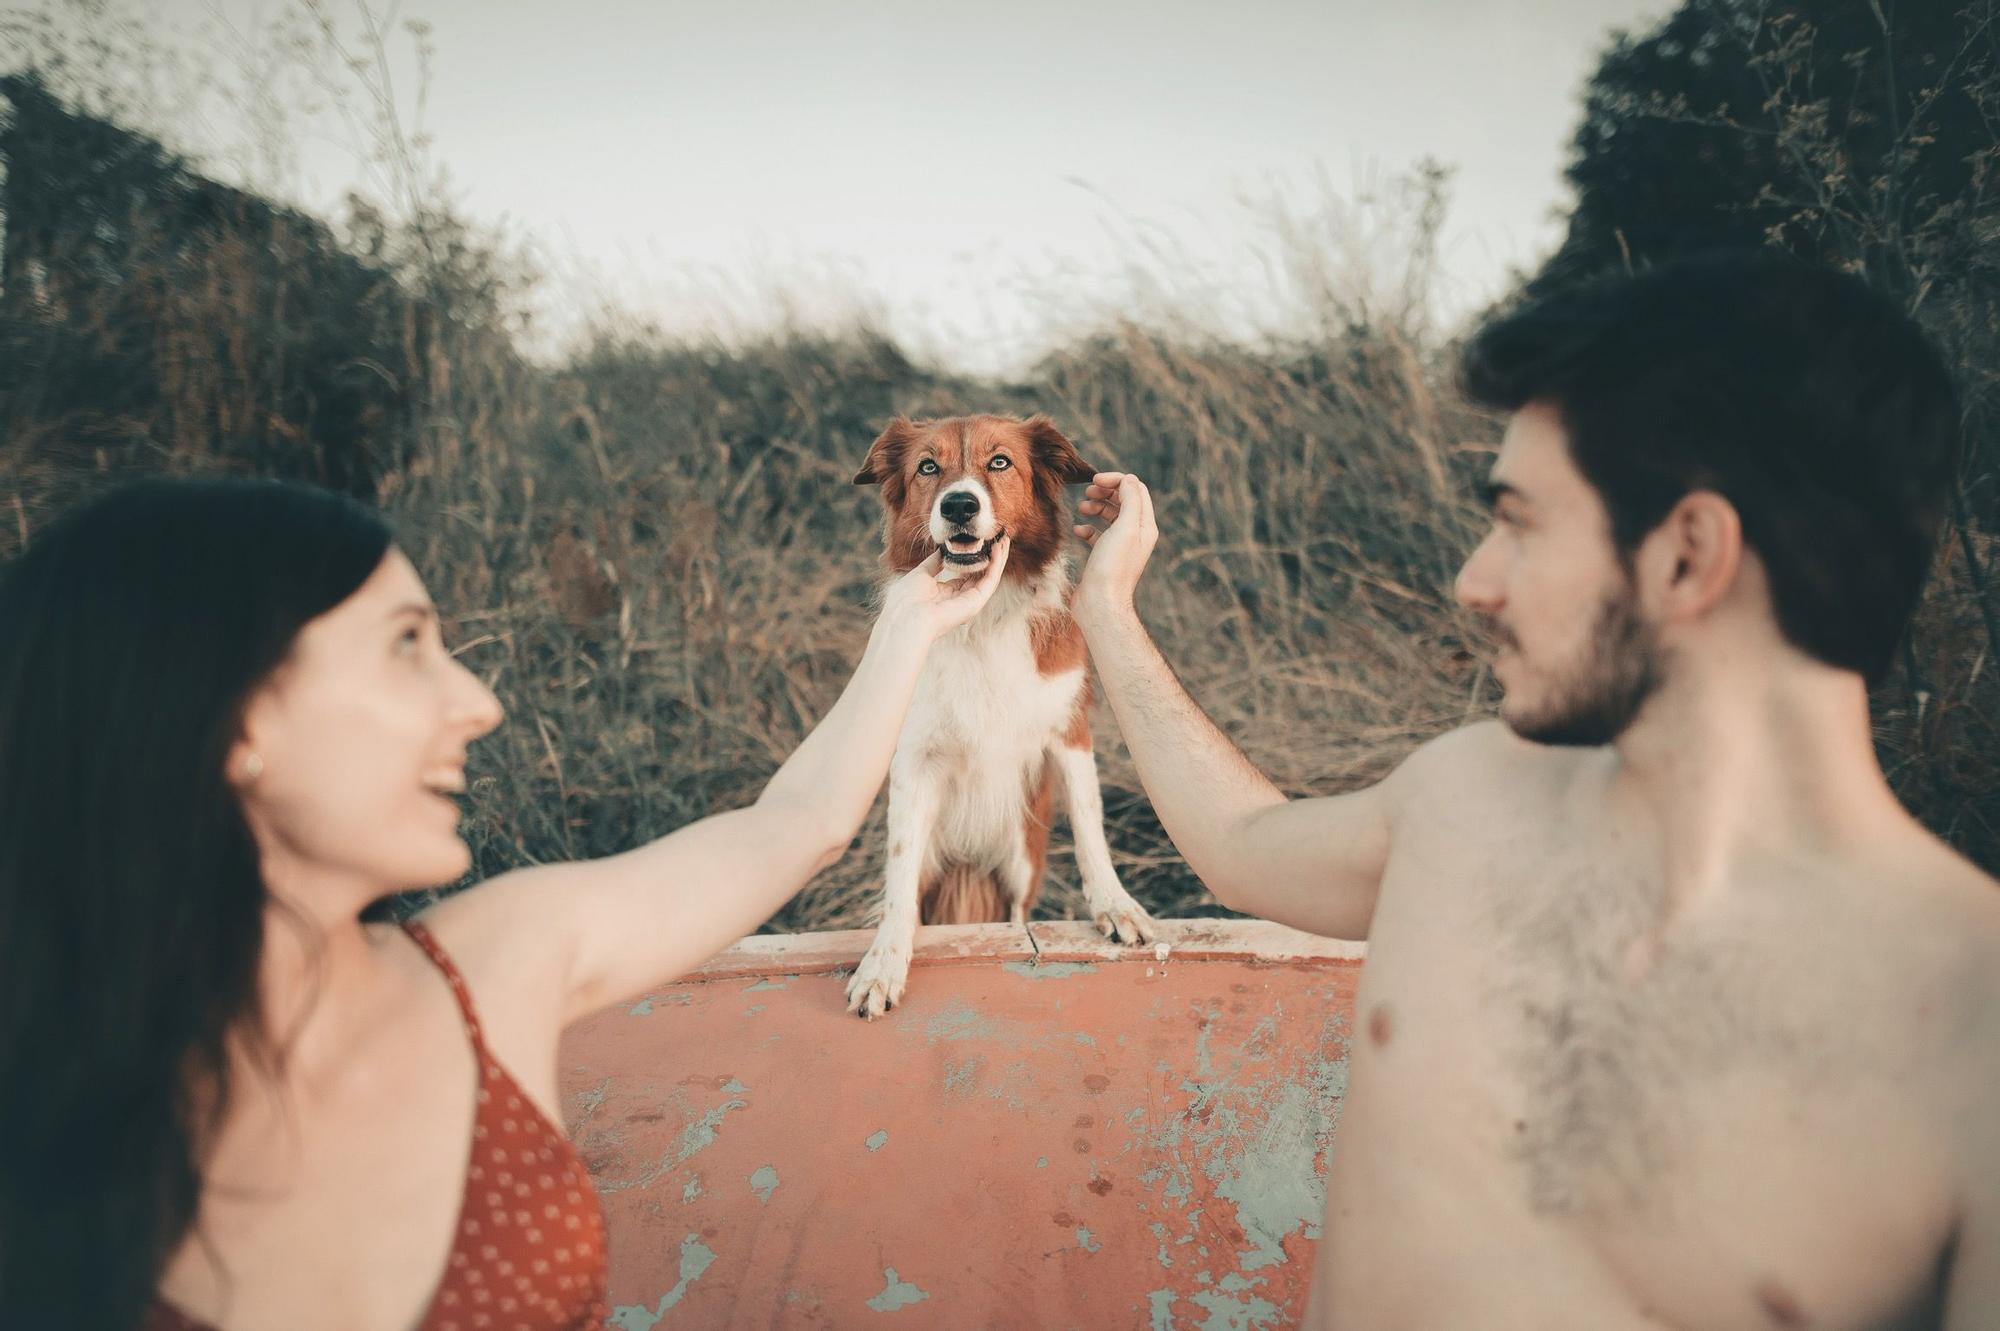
point(1804, 397)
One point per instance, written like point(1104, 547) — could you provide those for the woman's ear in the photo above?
point(885, 455)
point(1054, 454)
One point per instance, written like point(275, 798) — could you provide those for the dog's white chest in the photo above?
point(982, 698)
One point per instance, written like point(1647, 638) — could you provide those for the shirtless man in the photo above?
point(1672, 1015)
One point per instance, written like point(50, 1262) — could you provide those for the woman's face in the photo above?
point(359, 742)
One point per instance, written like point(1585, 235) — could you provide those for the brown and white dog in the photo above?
point(1002, 710)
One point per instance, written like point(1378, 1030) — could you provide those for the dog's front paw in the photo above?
point(877, 983)
point(1119, 916)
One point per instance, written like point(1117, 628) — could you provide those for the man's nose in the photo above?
point(1476, 587)
point(960, 506)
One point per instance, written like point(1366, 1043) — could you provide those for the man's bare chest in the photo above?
point(1715, 1113)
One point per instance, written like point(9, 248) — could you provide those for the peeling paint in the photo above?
point(1086, 1240)
point(643, 1007)
point(1227, 1314)
point(1049, 970)
point(692, 1190)
point(695, 1259)
point(696, 1137)
point(1161, 1301)
point(897, 1293)
point(878, 1139)
point(735, 1087)
point(958, 1077)
point(767, 983)
point(1041, 1162)
point(590, 1101)
point(764, 1182)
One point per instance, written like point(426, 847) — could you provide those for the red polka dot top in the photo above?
point(529, 1254)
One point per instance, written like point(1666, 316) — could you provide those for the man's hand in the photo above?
point(936, 608)
point(1120, 548)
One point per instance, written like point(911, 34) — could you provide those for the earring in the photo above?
point(253, 767)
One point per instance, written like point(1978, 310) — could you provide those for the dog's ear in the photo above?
point(1054, 454)
point(885, 455)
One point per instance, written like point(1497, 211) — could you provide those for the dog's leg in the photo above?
point(877, 983)
point(1021, 865)
point(1116, 913)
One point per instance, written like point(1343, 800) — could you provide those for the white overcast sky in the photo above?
point(980, 174)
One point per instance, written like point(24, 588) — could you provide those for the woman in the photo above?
point(228, 724)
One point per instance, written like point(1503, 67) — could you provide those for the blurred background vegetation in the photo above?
point(650, 547)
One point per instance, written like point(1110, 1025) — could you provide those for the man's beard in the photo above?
point(1593, 700)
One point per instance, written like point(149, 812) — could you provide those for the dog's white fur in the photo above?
point(982, 725)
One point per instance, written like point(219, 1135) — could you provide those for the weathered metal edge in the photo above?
point(1053, 940)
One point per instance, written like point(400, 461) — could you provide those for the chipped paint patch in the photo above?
point(764, 1182)
point(959, 1020)
point(692, 1190)
point(645, 1005)
point(877, 1139)
point(1087, 1240)
point(695, 1138)
point(1246, 1314)
point(695, 1259)
point(897, 1293)
point(767, 983)
point(958, 1077)
point(1041, 1162)
point(1161, 1303)
point(590, 1101)
point(1049, 970)
point(735, 1087)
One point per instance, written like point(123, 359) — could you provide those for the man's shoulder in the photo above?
point(1484, 758)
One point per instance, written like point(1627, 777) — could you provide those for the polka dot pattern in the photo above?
point(530, 1249)
point(529, 1254)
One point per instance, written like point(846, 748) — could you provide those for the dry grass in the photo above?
point(654, 553)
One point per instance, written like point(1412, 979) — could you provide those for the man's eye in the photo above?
point(1000, 462)
point(927, 468)
point(408, 640)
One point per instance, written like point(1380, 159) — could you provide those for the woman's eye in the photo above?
point(927, 468)
point(1000, 462)
point(408, 640)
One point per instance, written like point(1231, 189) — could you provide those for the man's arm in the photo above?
point(1315, 864)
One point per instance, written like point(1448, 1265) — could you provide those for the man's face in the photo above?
point(1578, 659)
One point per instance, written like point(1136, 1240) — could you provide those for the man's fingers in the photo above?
point(1133, 492)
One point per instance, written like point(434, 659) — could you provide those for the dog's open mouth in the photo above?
point(965, 549)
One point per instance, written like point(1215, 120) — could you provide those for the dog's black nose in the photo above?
point(960, 506)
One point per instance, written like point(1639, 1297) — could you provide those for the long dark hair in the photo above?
point(132, 633)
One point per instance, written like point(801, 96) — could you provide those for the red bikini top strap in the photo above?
point(429, 943)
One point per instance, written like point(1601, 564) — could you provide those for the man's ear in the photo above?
point(1698, 551)
point(1053, 452)
point(885, 455)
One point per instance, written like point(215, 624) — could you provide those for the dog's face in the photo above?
point(959, 483)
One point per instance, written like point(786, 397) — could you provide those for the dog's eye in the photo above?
point(1000, 462)
point(928, 467)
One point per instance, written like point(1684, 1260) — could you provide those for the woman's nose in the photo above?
point(475, 706)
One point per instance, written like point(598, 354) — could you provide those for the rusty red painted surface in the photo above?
point(1049, 1134)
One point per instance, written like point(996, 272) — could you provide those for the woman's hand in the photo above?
point(936, 608)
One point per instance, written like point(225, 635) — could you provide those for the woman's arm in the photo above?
point(612, 927)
